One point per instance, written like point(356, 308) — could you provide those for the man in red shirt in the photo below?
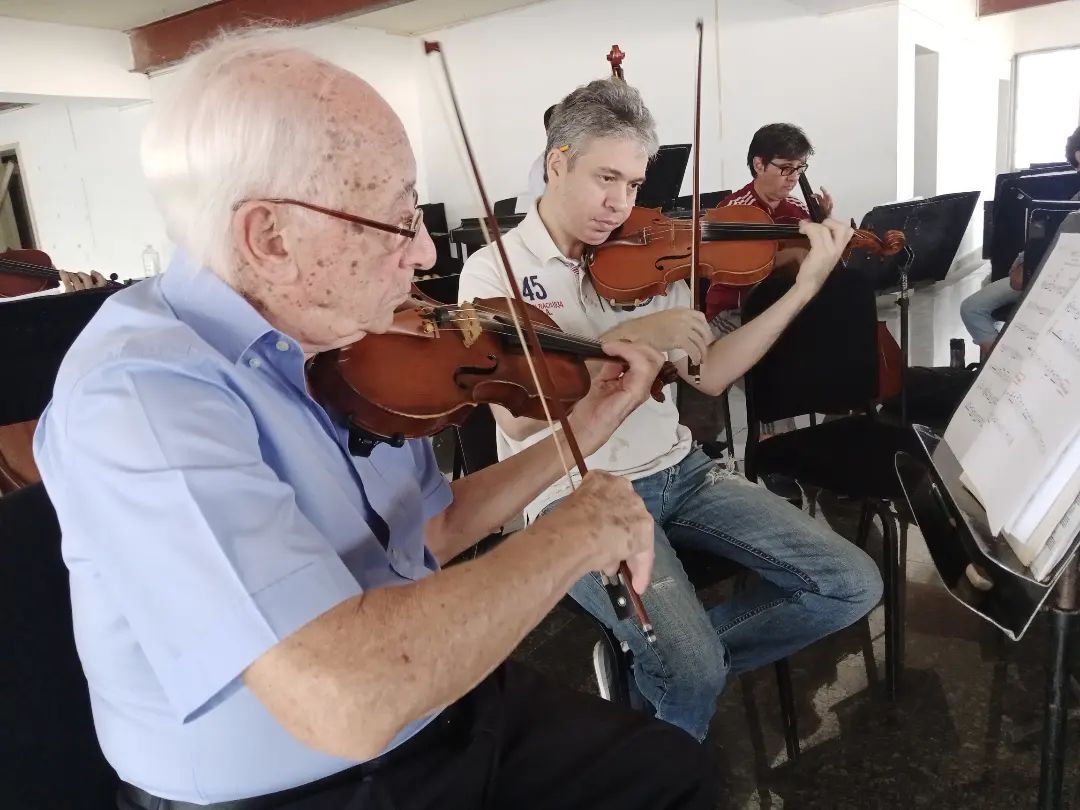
point(776, 159)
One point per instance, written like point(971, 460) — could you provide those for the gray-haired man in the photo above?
point(813, 582)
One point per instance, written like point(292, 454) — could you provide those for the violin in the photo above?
point(471, 355)
point(738, 246)
point(26, 271)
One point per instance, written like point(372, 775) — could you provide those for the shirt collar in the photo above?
point(534, 235)
point(219, 314)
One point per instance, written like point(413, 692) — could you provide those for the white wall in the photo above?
point(1054, 26)
point(972, 58)
point(846, 77)
point(80, 160)
point(926, 122)
point(828, 73)
point(89, 203)
point(43, 60)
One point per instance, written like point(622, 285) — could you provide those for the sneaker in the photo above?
point(604, 667)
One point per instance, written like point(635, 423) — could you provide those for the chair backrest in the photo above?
point(476, 440)
point(47, 744)
point(826, 361)
point(503, 207)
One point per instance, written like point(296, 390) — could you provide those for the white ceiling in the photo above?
point(415, 17)
point(424, 16)
point(829, 6)
point(119, 15)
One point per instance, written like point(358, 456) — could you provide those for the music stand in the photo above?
point(664, 176)
point(934, 228)
point(1000, 588)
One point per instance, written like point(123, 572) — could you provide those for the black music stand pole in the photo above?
point(903, 302)
point(1062, 617)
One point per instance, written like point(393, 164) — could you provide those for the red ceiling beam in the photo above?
point(165, 41)
point(987, 7)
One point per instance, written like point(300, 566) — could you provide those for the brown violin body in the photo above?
point(23, 272)
point(650, 251)
point(17, 467)
point(739, 244)
point(438, 362)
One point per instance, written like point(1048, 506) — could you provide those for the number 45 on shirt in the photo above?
point(532, 289)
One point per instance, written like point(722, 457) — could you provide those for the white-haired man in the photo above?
point(261, 616)
point(812, 581)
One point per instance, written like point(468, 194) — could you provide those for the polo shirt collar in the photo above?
point(534, 235)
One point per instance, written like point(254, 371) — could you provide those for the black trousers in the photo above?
point(515, 741)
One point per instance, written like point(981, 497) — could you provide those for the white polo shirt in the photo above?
point(651, 438)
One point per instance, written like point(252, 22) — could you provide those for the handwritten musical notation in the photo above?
point(1017, 421)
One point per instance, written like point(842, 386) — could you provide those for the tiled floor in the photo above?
point(964, 732)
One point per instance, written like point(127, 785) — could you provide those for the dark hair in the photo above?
point(785, 141)
point(547, 115)
point(1072, 146)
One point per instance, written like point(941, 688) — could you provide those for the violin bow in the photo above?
point(694, 369)
point(621, 591)
point(812, 204)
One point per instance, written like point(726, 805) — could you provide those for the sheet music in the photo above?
point(1058, 545)
point(1036, 416)
point(1033, 317)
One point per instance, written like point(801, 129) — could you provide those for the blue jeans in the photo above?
point(812, 582)
point(976, 309)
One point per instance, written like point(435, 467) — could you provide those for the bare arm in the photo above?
point(349, 681)
point(487, 499)
point(734, 354)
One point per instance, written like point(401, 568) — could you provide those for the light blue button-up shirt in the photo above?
point(209, 509)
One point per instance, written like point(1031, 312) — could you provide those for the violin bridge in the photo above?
point(469, 324)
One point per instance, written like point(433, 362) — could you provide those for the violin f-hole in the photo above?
point(480, 371)
point(682, 258)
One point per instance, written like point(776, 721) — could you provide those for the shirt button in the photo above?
point(282, 345)
point(254, 362)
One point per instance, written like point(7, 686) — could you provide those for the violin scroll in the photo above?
point(888, 245)
point(615, 57)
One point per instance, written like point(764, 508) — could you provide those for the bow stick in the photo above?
point(694, 369)
point(621, 591)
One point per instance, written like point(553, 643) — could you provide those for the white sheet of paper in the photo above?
point(1058, 276)
point(1036, 418)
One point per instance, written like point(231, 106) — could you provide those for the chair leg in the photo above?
point(864, 523)
point(787, 709)
point(725, 404)
point(894, 617)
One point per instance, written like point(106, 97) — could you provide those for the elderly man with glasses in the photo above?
point(263, 617)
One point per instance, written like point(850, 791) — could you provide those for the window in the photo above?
point(1047, 105)
point(15, 227)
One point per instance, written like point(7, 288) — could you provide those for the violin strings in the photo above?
point(497, 328)
point(540, 328)
point(30, 269)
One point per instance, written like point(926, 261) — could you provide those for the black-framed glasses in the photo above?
point(787, 171)
point(409, 233)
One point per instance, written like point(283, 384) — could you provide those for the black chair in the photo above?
point(826, 363)
point(48, 747)
point(476, 449)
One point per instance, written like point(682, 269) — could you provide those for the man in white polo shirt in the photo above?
point(812, 582)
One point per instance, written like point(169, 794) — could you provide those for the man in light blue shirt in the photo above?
point(261, 616)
